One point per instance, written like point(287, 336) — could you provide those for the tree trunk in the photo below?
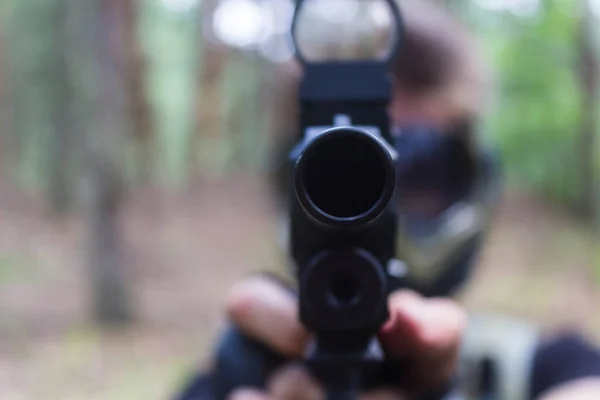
point(588, 76)
point(39, 98)
point(39, 146)
point(110, 289)
point(210, 121)
point(60, 179)
point(137, 99)
point(102, 108)
point(5, 129)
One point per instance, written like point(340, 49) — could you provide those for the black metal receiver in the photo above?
point(342, 226)
point(343, 215)
point(342, 236)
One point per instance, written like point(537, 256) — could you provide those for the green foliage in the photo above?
point(15, 268)
point(8, 267)
point(596, 265)
point(172, 49)
point(537, 122)
point(30, 33)
point(245, 121)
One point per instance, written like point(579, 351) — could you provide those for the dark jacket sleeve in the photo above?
point(563, 359)
point(199, 388)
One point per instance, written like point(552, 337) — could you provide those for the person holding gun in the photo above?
point(450, 185)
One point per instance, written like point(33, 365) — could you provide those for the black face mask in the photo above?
point(446, 193)
point(441, 182)
point(435, 170)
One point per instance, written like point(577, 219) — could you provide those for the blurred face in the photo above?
point(407, 109)
point(437, 183)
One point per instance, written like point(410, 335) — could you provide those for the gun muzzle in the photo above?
point(345, 177)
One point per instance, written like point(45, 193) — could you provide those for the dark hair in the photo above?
point(423, 64)
point(440, 61)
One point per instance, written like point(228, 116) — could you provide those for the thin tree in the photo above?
point(59, 184)
point(101, 104)
point(588, 79)
point(209, 117)
point(5, 142)
point(135, 67)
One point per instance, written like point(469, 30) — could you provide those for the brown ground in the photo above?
point(183, 253)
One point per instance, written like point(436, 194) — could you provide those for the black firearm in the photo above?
point(342, 237)
point(343, 226)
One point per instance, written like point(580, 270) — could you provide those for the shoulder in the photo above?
point(510, 357)
point(497, 355)
point(563, 358)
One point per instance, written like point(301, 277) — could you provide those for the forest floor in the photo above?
point(184, 251)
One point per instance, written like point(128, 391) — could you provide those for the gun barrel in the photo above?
point(345, 177)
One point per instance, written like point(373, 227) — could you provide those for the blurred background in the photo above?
point(136, 140)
